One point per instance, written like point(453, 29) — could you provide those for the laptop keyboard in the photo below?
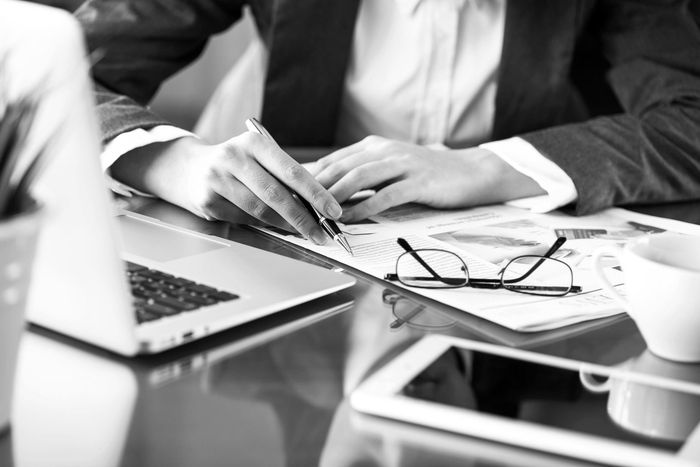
point(157, 294)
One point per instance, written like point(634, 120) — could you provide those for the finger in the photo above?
point(341, 153)
point(290, 173)
point(237, 198)
point(393, 195)
point(219, 208)
point(334, 172)
point(275, 195)
point(369, 175)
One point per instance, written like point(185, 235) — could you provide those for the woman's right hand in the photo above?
point(243, 180)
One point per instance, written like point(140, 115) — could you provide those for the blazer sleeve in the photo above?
point(138, 44)
point(651, 152)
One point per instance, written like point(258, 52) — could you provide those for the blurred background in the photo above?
point(183, 97)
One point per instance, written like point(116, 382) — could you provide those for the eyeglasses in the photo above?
point(442, 269)
point(417, 316)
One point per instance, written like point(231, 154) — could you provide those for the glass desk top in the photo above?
point(275, 391)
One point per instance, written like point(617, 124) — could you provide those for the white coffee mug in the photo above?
point(646, 409)
point(662, 288)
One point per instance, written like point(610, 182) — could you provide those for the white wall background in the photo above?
point(182, 98)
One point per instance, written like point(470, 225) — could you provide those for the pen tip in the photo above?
point(344, 243)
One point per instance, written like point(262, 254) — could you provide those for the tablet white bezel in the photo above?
point(379, 395)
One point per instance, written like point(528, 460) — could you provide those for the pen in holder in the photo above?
point(18, 239)
point(20, 218)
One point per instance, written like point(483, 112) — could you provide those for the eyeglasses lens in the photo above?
point(537, 275)
point(444, 269)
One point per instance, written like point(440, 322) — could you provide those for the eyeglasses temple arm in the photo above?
point(405, 245)
point(475, 283)
point(555, 246)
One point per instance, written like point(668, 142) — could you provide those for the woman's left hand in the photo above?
point(403, 173)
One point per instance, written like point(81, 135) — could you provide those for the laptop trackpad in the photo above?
point(159, 243)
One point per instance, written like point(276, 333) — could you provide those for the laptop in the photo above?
point(186, 285)
point(129, 394)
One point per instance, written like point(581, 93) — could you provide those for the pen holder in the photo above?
point(18, 240)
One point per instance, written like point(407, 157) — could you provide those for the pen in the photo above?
point(328, 225)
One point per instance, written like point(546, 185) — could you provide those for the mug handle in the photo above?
point(598, 254)
point(592, 384)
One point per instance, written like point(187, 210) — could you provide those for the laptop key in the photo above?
point(159, 309)
point(177, 281)
point(133, 267)
point(157, 275)
point(161, 287)
point(140, 292)
point(201, 289)
point(134, 279)
point(174, 303)
point(196, 299)
point(143, 316)
point(151, 285)
point(222, 296)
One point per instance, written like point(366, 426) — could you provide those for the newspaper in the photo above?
point(485, 238)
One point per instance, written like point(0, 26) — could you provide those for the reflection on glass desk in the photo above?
point(650, 407)
point(78, 405)
point(665, 411)
point(271, 393)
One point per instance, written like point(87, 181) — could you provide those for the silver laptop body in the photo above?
point(79, 286)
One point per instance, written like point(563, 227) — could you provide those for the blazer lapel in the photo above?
point(535, 63)
point(308, 54)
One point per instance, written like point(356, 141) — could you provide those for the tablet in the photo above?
point(611, 415)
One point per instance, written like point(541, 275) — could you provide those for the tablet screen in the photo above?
point(556, 397)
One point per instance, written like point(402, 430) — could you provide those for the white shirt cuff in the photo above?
point(524, 158)
point(131, 140)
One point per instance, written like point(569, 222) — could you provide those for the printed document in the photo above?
point(486, 238)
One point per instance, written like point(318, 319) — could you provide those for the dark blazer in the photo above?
point(607, 89)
